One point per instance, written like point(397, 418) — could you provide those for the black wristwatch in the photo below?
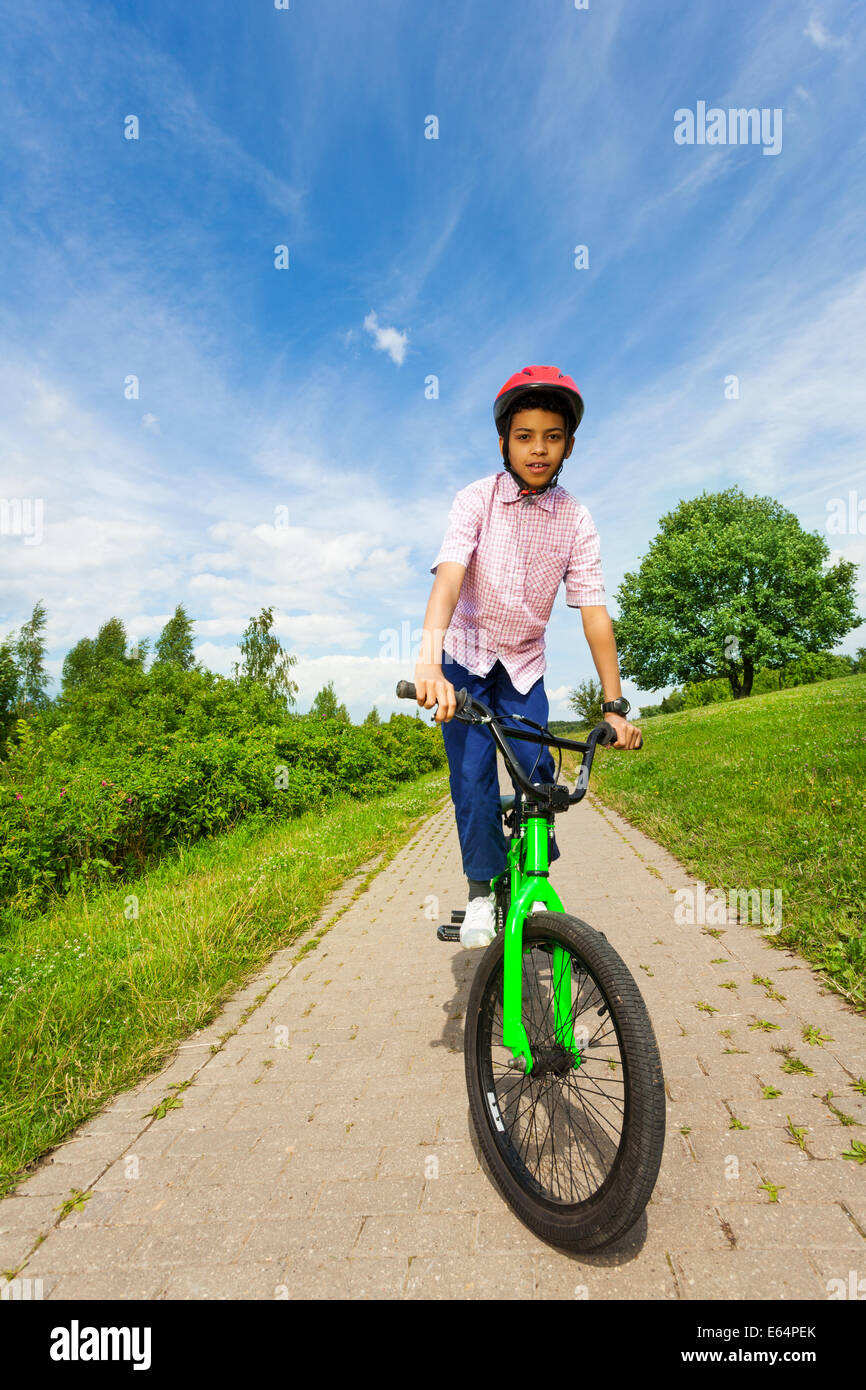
point(619, 706)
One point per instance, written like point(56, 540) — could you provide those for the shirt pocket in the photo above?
point(545, 571)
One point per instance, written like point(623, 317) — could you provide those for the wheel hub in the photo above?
point(556, 1059)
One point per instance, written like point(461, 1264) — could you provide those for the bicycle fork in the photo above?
point(528, 886)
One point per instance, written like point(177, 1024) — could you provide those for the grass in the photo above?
point(772, 1189)
point(841, 1116)
point(798, 1134)
point(99, 991)
point(794, 1065)
point(764, 793)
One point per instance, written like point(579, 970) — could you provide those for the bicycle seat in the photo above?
point(507, 802)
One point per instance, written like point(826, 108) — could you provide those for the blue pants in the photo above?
point(472, 757)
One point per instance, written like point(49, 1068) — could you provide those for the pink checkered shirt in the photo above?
point(517, 551)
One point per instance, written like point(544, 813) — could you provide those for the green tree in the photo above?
point(586, 701)
point(327, 706)
point(92, 659)
point(110, 644)
point(730, 584)
point(78, 665)
point(10, 686)
point(673, 703)
point(174, 644)
point(373, 717)
point(30, 660)
point(263, 660)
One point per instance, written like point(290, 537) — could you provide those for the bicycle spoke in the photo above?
point(563, 1125)
point(571, 1148)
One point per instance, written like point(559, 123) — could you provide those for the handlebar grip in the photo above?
point(609, 735)
point(406, 691)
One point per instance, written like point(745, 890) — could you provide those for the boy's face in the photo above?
point(536, 444)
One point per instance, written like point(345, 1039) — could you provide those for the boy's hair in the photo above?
point(540, 400)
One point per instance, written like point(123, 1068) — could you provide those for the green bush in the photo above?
point(696, 693)
point(814, 666)
point(108, 779)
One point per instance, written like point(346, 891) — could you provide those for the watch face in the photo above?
point(624, 705)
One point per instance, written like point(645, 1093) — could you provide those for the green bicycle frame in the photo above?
point(528, 866)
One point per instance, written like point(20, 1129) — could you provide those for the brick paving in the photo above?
point(326, 1151)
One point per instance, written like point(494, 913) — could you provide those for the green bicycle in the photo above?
point(563, 1071)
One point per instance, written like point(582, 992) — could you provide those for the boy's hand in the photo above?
point(430, 687)
point(627, 735)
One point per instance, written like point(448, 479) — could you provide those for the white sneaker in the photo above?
point(478, 927)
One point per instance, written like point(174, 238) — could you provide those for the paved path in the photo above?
point(325, 1149)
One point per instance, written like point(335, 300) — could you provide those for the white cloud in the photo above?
point(359, 681)
point(387, 339)
point(821, 36)
point(215, 658)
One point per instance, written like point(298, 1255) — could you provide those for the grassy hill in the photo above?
point(764, 793)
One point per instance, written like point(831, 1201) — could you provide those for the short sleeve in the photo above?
point(584, 581)
point(463, 530)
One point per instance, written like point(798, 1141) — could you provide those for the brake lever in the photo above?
point(474, 718)
point(470, 713)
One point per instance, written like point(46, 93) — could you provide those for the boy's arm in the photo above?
point(598, 630)
point(430, 683)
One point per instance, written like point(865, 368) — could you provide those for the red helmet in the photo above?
point(549, 380)
point(540, 379)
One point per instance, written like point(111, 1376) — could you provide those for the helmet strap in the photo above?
point(526, 489)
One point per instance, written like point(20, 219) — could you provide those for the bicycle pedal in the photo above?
point(457, 914)
point(448, 933)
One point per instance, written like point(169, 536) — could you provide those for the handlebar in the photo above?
point(474, 711)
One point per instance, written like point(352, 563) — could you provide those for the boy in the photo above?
point(512, 538)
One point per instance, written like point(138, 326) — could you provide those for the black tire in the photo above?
point(580, 1113)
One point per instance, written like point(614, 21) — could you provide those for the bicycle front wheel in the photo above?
point(574, 1145)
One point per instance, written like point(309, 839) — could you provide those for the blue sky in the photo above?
point(282, 451)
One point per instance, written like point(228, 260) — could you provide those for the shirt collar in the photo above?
point(509, 491)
